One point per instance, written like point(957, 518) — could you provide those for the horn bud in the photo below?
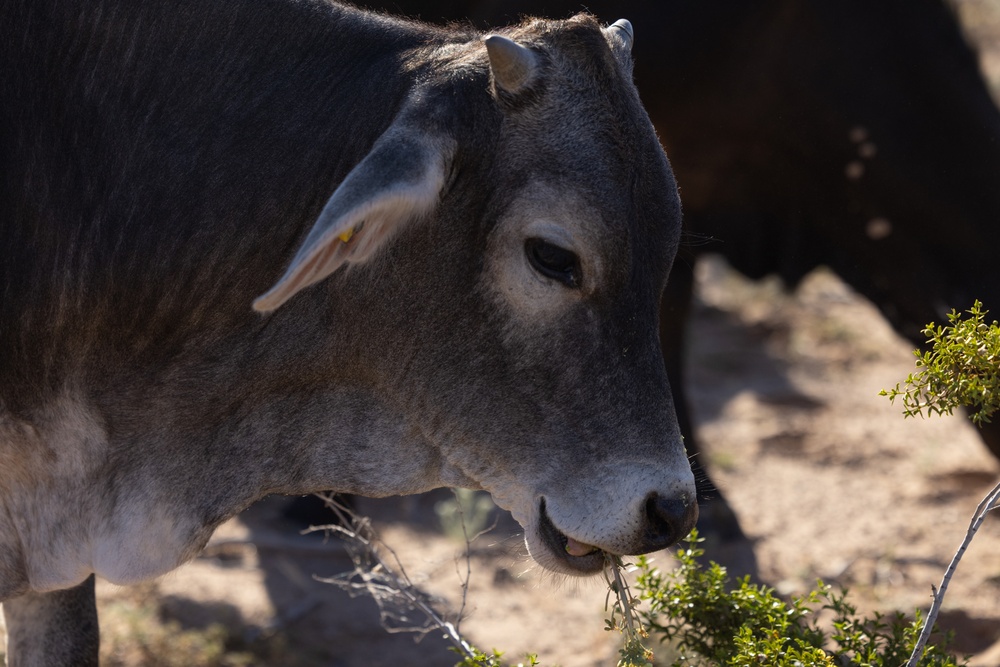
point(624, 31)
point(513, 65)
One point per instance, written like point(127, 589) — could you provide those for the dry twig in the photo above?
point(989, 503)
point(402, 606)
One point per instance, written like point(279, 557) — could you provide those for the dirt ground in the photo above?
point(827, 478)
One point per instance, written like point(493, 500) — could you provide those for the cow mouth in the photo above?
point(578, 557)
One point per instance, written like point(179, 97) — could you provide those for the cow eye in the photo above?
point(553, 262)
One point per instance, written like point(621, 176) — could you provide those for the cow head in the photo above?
point(501, 251)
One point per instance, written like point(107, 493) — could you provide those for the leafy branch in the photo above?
point(961, 369)
point(625, 617)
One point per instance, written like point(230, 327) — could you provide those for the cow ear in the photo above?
point(399, 180)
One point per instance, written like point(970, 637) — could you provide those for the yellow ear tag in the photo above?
point(346, 235)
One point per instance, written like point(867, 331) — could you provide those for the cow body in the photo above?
point(474, 305)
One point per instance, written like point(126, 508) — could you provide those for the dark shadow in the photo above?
point(726, 357)
point(321, 624)
point(972, 635)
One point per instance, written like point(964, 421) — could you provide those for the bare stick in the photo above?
point(388, 584)
point(988, 503)
point(468, 562)
point(624, 596)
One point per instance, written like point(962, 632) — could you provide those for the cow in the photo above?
point(856, 135)
point(279, 246)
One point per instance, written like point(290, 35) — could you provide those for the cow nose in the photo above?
point(668, 520)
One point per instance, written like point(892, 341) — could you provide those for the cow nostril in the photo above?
point(668, 520)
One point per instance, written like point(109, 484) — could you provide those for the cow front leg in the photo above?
point(57, 629)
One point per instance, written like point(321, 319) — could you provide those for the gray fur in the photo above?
point(165, 162)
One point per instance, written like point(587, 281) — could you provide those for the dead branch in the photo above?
point(402, 606)
point(988, 503)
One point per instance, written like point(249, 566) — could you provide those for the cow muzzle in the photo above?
point(662, 522)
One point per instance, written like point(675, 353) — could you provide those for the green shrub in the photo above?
point(480, 659)
point(711, 623)
point(961, 369)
